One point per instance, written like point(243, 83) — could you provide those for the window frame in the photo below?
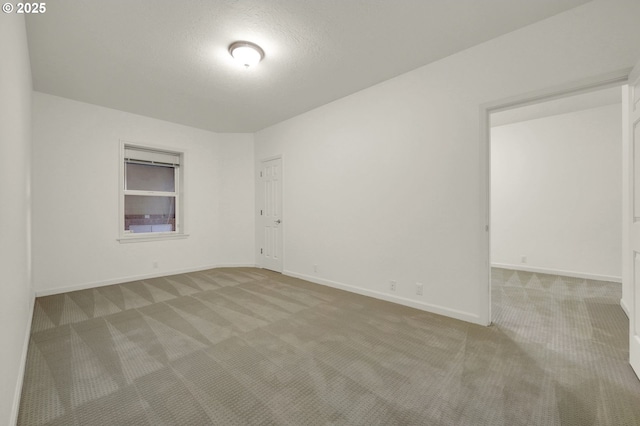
point(178, 194)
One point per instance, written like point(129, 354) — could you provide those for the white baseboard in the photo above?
point(233, 265)
point(126, 279)
point(435, 309)
point(624, 307)
point(23, 364)
point(574, 274)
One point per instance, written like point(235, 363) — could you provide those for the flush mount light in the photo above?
point(246, 53)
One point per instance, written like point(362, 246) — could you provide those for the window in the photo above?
point(150, 193)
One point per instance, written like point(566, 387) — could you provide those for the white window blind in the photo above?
point(136, 155)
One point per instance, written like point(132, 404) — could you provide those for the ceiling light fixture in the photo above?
point(246, 53)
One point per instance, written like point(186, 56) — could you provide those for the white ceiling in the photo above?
point(168, 59)
point(592, 99)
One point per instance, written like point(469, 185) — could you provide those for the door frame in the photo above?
point(631, 119)
point(259, 234)
point(612, 79)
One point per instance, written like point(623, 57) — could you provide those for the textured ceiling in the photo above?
point(168, 59)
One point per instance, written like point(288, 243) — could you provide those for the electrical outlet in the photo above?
point(155, 264)
point(315, 268)
point(523, 259)
point(419, 289)
point(392, 285)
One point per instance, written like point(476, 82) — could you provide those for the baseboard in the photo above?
point(435, 309)
point(550, 271)
point(234, 265)
point(120, 280)
point(23, 364)
point(624, 308)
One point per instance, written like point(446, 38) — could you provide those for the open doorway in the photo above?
point(556, 198)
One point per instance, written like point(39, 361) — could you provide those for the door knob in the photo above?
point(277, 221)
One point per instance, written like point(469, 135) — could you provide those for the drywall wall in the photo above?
point(556, 193)
point(75, 191)
point(15, 145)
point(236, 202)
point(385, 184)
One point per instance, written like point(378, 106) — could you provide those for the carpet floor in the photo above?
point(244, 346)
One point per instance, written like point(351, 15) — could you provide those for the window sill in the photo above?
point(142, 238)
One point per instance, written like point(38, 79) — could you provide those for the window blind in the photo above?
point(136, 155)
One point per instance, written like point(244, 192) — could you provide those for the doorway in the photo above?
point(556, 186)
point(615, 79)
point(556, 202)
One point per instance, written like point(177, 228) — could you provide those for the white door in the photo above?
point(271, 214)
point(632, 149)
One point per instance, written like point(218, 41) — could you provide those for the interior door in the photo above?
point(632, 118)
point(271, 214)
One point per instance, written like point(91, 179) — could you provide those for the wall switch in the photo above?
point(392, 285)
point(419, 288)
point(523, 259)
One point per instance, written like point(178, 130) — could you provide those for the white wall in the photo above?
point(75, 192)
point(236, 200)
point(15, 145)
point(556, 194)
point(385, 184)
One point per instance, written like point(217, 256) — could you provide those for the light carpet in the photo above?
point(244, 346)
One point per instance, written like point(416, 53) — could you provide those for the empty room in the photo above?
point(281, 212)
